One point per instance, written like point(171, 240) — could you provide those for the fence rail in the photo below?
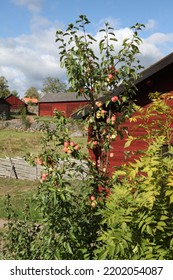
point(19, 168)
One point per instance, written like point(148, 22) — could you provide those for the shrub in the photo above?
point(138, 214)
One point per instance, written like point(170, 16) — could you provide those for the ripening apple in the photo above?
point(93, 204)
point(76, 147)
point(110, 76)
point(39, 161)
point(113, 137)
point(66, 144)
point(72, 144)
point(65, 149)
point(99, 103)
point(44, 176)
point(95, 142)
point(114, 98)
point(92, 197)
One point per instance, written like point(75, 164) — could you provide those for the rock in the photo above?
point(77, 134)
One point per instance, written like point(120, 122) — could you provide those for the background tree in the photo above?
point(4, 90)
point(32, 92)
point(15, 93)
point(53, 85)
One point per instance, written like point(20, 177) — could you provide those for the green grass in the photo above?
point(18, 143)
point(21, 194)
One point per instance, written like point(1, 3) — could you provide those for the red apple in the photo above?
point(44, 176)
point(72, 144)
point(114, 98)
point(111, 76)
point(39, 161)
point(66, 144)
point(92, 197)
point(65, 149)
point(77, 147)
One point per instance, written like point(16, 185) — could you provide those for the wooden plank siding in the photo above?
point(137, 145)
point(67, 108)
point(15, 102)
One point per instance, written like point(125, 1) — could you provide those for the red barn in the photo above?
point(4, 109)
point(66, 102)
point(158, 77)
point(15, 102)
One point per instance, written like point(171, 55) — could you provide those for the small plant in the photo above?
point(24, 118)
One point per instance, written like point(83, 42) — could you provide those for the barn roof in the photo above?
point(15, 97)
point(146, 75)
point(61, 97)
point(29, 99)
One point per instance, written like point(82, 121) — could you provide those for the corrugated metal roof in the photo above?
point(62, 97)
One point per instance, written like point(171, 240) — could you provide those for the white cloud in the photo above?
point(151, 24)
point(27, 60)
point(33, 6)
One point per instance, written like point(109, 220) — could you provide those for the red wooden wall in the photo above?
point(15, 102)
point(47, 108)
point(118, 149)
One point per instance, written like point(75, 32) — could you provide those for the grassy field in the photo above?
point(21, 193)
point(18, 143)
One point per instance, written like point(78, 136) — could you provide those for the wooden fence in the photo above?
point(18, 168)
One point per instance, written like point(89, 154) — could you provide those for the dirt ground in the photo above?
point(2, 223)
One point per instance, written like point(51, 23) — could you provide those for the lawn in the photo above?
point(21, 193)
point(18, 143)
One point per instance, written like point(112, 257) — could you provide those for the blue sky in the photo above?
point(29, 54)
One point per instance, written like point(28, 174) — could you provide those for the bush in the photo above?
point(138, 214)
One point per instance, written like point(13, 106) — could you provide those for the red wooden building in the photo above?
point(4, 109)
point(65, 102)
point(158, 77)
point(15, 102)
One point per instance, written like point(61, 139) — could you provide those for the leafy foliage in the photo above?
point(4, 88)
point(138, 215)
point(53, 85)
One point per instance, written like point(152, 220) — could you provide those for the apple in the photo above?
point(65, 149)
point(76, 147)
point(95, 142)
point(66, 144)
point(39, 161)
point(113, 137)
point(72, 144)
point(110, 76)
point(44, 176)
point(114, 98)
point(92, 197)
point(99, 103)
point(103, 112)
point(93, 204)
